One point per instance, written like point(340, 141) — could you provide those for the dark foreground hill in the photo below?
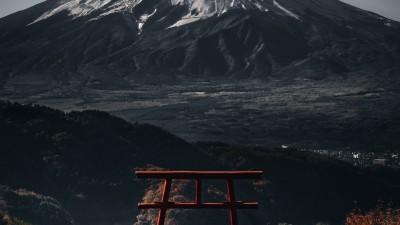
point(78, 167)
point(84, 159)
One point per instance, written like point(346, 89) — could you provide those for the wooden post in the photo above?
point(165, 198)
point(231, 199)
point(198, 191)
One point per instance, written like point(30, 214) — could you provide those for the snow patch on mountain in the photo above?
point(143, 19)
point(184, 21)
point(78, 8)
point(199, 8)
point(207, 8)
point(288, 12)
point(75, 8)
point(202, 9)
point(261, 7)
point(119, 6)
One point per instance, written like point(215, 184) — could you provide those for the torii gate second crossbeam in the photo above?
point(229, 176)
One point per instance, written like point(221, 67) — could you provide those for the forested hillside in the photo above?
point(78, 167)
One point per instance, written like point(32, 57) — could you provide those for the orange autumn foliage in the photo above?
point(381, 215)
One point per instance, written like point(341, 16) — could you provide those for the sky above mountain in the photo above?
point(387, 8)
point(10, 6)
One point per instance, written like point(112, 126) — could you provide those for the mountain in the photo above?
point(116, 42)
point(77, 168)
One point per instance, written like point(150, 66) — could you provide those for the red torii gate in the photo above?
point(229, 176)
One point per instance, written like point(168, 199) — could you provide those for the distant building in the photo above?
point(379, 162)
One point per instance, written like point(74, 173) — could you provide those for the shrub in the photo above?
point(7, 220)
point(381, 215)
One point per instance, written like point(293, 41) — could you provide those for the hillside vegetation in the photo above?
point(78, 167)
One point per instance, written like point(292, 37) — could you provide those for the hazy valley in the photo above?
point(331, 113)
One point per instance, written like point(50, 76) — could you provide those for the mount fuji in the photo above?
point(123, 41)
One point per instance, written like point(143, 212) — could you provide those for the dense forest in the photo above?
point(78, 168)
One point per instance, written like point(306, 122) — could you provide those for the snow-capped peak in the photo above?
point(202, 9)
point(206, 8)
point(78, 8)
point(197, 9)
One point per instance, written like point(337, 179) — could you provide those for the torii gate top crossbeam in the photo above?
point(200, 174)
